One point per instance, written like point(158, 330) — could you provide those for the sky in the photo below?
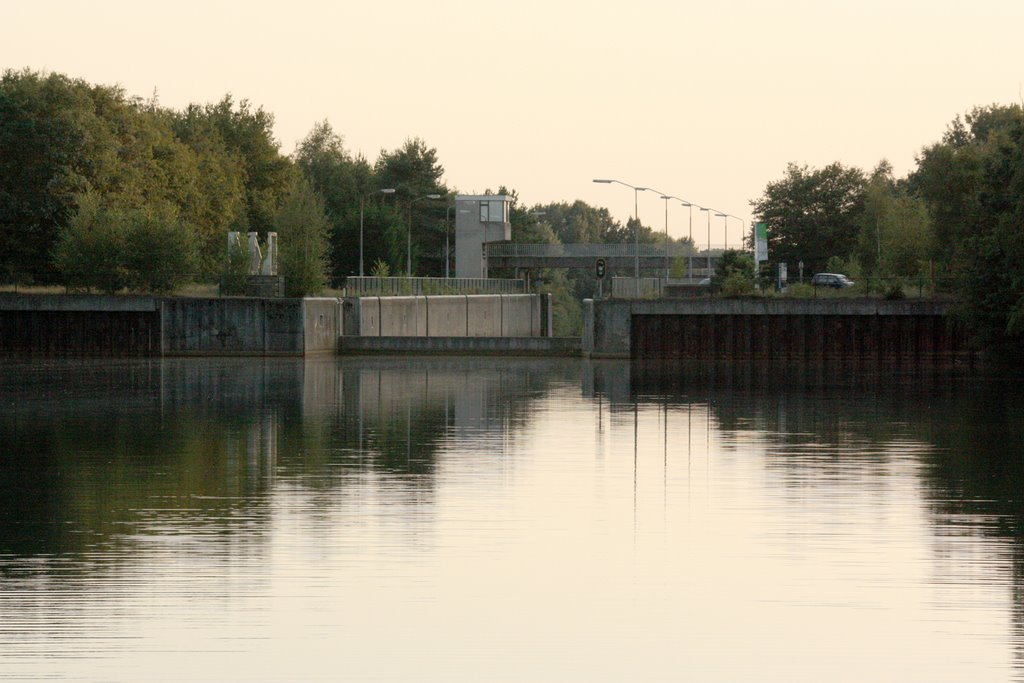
point(705, 101)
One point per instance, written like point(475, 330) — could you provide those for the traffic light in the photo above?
point(599, 268)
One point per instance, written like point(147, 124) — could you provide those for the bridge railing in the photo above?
point(510, 250)
point(410, 286)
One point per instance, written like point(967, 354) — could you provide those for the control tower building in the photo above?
point(479, 219)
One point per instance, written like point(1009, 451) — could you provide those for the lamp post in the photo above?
point(362, 202)
point(447, 229)
point(408, 235)
point(684, 203)
point(636, 227)
point(709, 237)
point(743, 224)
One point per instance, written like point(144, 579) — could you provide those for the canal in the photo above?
point(459, 519)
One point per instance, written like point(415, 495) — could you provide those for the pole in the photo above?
point(666, 241)
point(447, 229)
point(408, 245)
point(362, 201)
point(636, 240)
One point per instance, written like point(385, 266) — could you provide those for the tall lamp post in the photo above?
point(408, 235)
point(362, 203)
point(447, 229)
point(667, 197)
point(636, 227)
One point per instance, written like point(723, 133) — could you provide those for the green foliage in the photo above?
point(895, 231)
point(345, 183)
point(812, 214)
point(60, 138)
point(736, 284)
point(302, 230)
point(973, 184)
point(733, 261)
point(381, 269)
point(800, 290)
point(111, 245)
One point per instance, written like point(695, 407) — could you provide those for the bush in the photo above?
point(894, 292)
point(737, 283)
point(236, 270)
point(109, 246)
point(302, 229)
point(800, 290)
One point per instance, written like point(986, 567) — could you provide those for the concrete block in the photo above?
point(483, 313)
point(446, 316)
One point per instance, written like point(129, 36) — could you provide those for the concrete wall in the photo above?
point(233, 327)
point(483, 315)
point(446, 316)
point(322, 325)
point(72, 325)
point(509, 346)
point(403, 316)
point(474, 315)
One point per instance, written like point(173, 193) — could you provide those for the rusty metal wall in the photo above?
point(798, 337)
point(52, 333)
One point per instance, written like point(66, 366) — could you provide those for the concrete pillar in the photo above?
point(587, 339)
point(551, 317)
point(270, 262)
point(255, 256)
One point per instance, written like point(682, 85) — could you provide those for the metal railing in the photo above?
point(416, 286)
point(504, 249)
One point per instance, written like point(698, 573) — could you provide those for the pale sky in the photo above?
point(706, 101)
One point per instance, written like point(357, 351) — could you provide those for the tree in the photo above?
point(414, 171)
point(895, 231)
point(111, 244)
point(734, 273)
point(973, 184)
point(812, 214)
point(303, 231)
point(343, 181)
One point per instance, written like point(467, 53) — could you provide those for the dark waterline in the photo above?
point(484, 519)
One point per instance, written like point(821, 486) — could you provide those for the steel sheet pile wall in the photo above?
point(784, 329)
point(75, 326)
point(796, 337)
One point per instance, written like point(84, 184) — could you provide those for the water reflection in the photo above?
point(670, 514)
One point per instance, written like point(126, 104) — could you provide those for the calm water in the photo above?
point(496, 520)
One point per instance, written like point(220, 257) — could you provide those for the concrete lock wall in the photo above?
point(520, 315)
point(483, 314)
point(403, 316)
point(73, 325)
point(474, 315)
point(233, 327)
point(446, 316)
point(322, 325)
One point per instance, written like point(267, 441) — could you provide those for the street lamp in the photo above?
point(685, 203)
point(362, 202)
point(636, 227)
point(447, 229)
point(743, 224)
point(408, 236)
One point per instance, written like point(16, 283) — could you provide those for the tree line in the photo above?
point(103, 191)
point(956, 219)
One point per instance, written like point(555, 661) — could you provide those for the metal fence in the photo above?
point(414, 286)
point(505, 249)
